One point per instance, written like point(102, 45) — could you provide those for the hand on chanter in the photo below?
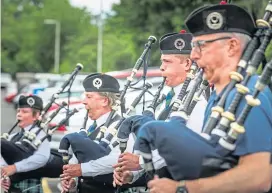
point(121, 177)
point(5, 183)
point(72, 170)
point(128, 161)
point(66, 185)
point(8, 170)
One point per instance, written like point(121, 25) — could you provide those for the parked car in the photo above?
point(73, 96)
point(6, 79)
point(11, 92)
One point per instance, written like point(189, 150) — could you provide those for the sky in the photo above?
point(94, 5)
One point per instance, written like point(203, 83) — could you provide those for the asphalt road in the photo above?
point(8, 117)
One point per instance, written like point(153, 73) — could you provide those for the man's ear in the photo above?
point(234, 47)
point(188, 63)
point(106, 102)
point(36, 117)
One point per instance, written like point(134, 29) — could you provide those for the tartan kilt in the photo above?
point(29, 186)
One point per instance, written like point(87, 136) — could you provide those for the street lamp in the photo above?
point(57, 42)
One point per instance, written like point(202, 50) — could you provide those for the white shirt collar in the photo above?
point(177, 89)
point(102, 119)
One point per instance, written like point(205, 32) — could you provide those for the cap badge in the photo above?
point(179, 44)
point(30, 101)
point(214, 20)
point(97, 83)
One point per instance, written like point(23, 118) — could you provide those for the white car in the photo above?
point(6, 79)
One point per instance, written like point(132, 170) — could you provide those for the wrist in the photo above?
point(17, 167)
point(14, 167)
point(196, 186)
point(182, 187)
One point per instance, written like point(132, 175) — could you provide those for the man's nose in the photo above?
point(162, 68)
point(195, 55)
point(19, 117)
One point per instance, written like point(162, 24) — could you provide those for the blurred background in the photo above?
point(54, 35)
point(43, 40)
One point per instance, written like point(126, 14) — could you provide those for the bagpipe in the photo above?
point(133, 123)
point(176, 104)
point(189, 155)
point(102, 146)
point(137, 66)
point(182, 112)
point(86, 149)
point(14, 151)
point(185, 108)
point(157, 99)
point(65, 154)
point(128, 125)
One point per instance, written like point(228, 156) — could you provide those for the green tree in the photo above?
point(27, 43)
point(158, 17)
point(118, 50)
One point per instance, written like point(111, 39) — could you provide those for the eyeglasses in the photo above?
point(200, 43)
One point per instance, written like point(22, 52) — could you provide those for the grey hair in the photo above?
point(113, 97)
point(244, 39)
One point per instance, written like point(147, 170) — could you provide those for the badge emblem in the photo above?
point(179, 44)
point(97, 83)
point(30, 101)
point(214, 20)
